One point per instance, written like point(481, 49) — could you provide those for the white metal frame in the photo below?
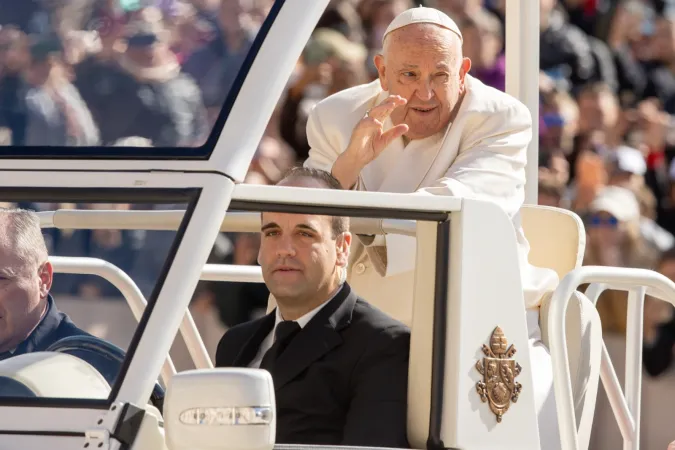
point(638, 283)
point(243, 222)
point(40, 419)
point(468, 242)
point(522, 76)
point(232, 272)
point(137, 302)
point(118, 278)
point(181, 280)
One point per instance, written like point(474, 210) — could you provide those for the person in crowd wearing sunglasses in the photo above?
point(613, 227)
point(615, 240)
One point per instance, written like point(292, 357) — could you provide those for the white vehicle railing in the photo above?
point(240, 222)
point(118, 278)
point(137, 302)
point(232, 272)
point(638, 283)
point(522, 76)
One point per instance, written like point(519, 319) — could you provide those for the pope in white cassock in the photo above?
point(428, 127)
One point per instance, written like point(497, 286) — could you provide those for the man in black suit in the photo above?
point(339, 365)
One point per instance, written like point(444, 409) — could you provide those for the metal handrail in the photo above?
point(638, 283)
point(244, 222)
point(118, 278)
point(137, 302)
point(232, 272)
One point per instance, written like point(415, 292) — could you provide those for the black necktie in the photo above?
point(283, 334)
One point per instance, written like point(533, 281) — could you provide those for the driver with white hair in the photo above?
point(29, 318)
point(428, 127)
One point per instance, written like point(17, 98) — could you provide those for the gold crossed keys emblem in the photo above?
point(498, 387)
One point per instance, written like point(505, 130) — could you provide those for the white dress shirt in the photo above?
point(302, 321)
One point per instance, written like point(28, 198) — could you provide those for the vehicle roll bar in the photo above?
point(232, 272)
point(244, 222)
point(137, 302)
point(118, 278)
point(638, 283)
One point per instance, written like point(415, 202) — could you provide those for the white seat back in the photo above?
point(557, 239)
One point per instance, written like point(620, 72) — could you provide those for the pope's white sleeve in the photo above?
point(322, 155)
point(492, 164)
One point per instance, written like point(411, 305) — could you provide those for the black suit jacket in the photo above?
point(342, 380)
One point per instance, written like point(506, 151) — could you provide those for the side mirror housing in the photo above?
point(225, 408)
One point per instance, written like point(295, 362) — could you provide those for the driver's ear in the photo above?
point(46, 276)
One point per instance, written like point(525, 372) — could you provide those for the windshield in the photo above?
point(77, 293)
point(122, 77)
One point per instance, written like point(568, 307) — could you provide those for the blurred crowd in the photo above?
point(157, 72)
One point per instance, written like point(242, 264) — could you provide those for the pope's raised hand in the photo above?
point(368, 140)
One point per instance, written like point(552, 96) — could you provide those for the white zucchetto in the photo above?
point(423, 14)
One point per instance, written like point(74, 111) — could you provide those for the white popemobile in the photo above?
point(470, 380)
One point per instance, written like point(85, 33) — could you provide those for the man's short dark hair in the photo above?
point(316, 174)
point(340, 224)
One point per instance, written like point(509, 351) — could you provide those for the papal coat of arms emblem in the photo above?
point(498, 387)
